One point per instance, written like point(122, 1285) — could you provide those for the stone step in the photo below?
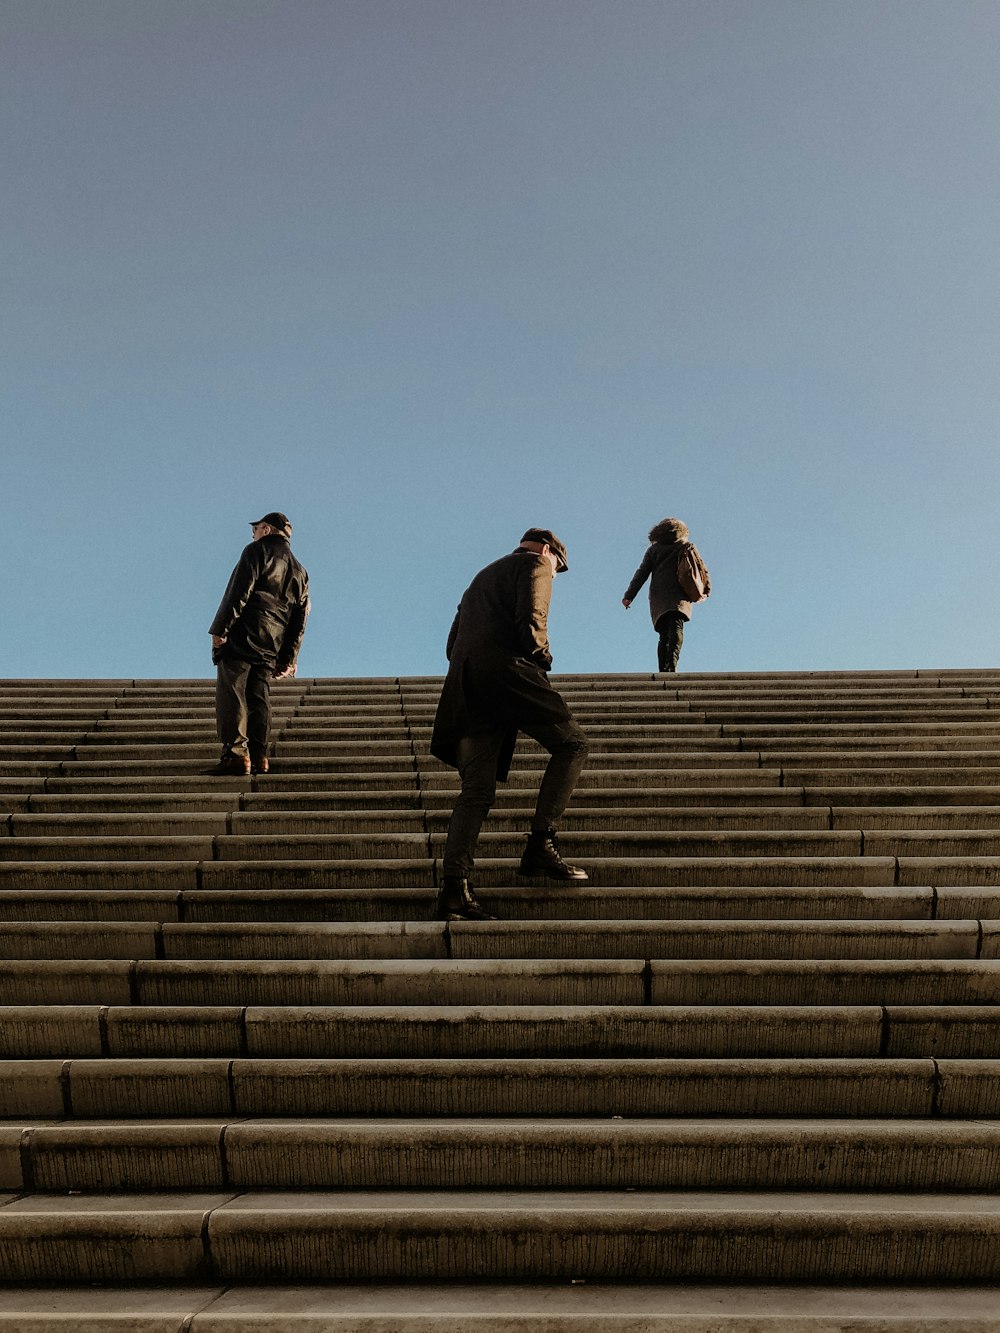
point(357, 786)
point(705, 871)
point(88, 762)
point(854, 730)
point(814, 741)
point(841, 712)
point(792, 913)
point(611, 732)
point(40, 1032)
point(196, 825)
point(477, 1235)
point(498, 981)
point(889, 780)
point(842, 981)
point(35, 796)
point(325, 981)
point(502, 940)
point(814, 1155)
point(250, 841)
point(767, 903)
point(630, 819)
point(164, 733)
point(626, 848)
point(581, 845)
point(577, 1307)
point(138, 1089)
point(624, 872)
point(219, 799)
point(812, 758)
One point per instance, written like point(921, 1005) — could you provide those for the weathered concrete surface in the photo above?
point(777, 989)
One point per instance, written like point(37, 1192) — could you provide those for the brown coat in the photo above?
point(498, 656)
point(659, 564)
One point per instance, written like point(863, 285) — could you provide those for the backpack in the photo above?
point(691, 575)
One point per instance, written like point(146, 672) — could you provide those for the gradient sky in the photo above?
point(423, 273)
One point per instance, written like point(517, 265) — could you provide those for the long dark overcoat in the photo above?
point(498, 656)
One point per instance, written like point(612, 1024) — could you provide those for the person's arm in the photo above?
point(453, 633)
point(292, 640)
point(638, 578)
point(534, 591)
point(237, 594)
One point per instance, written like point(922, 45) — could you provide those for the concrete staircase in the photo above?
point(746, 1079)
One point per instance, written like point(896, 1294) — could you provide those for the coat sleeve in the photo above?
point(531, 615)
point(640, 576)
point(453, 633)
point(237, 594)
point(294, 630)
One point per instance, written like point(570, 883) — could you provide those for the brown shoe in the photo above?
point(230, 766)
point(259, 763)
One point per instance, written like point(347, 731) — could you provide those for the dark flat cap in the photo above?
point(550, 539)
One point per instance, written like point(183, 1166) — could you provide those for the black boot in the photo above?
point(541, 859)
point(457, 901)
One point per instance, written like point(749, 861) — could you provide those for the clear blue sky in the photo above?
point(422, 273)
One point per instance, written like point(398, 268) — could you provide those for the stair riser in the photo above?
point(272, 1246)
point(318, 1158)
point(853, 1088)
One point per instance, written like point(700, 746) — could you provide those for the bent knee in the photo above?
point(574, 743)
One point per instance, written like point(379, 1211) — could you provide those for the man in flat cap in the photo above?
point(497, 685)
point(256, 635)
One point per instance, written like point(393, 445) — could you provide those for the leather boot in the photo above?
point(457, 901)
point(541, 859)
point(259, 763)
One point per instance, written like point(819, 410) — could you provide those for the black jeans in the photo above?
point(477, 766)
point(243, 706)
point(670, 628)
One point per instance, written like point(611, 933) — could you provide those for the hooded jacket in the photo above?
point(659, 564)
point(264, 608)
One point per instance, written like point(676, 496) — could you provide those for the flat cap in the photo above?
point(549, 538)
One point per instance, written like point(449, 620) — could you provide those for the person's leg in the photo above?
point(477, 768)
point(670, 628)
point(568, 748)
point(231, 706)
point(258, 702)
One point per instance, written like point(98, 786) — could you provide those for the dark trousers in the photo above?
point(670, 628)
point(477, 766)
point(243, 706)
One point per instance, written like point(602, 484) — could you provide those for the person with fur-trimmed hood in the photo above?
point(678, 578)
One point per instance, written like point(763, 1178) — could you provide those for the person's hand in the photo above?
point(219, 640)
point(626, 603)
point(285, 671)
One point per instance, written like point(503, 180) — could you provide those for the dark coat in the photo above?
point(263, 610)
point(665, 593)
point(498, 656)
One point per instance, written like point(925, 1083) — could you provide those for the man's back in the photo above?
point(263, 610)
point(504, 612)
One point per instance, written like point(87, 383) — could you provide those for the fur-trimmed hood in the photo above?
point(668, 531)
